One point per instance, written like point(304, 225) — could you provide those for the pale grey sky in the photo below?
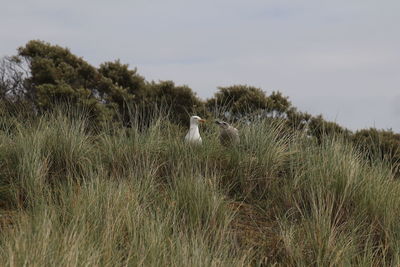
point(337, 58)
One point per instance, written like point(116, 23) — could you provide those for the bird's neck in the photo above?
point(194, 127)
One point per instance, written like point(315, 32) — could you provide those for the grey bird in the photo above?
point(229, 135)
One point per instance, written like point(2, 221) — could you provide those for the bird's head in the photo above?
point(194, 120)
point(222, 124)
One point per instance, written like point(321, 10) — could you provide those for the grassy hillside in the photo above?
point(70, 196)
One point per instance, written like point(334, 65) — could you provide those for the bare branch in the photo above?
point(13, 74)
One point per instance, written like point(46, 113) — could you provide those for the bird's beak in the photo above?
point(201, 120)
point(218, 122)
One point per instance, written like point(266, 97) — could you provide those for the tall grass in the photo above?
point(71, 196)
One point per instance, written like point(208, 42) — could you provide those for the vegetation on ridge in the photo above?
point(94, 171)
point(41, 76)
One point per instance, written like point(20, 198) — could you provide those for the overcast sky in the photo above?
point(337, 58)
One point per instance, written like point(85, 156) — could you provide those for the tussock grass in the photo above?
point(72, 196)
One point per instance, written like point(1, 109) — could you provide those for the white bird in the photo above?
point(193, 136)
point(229, 135)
